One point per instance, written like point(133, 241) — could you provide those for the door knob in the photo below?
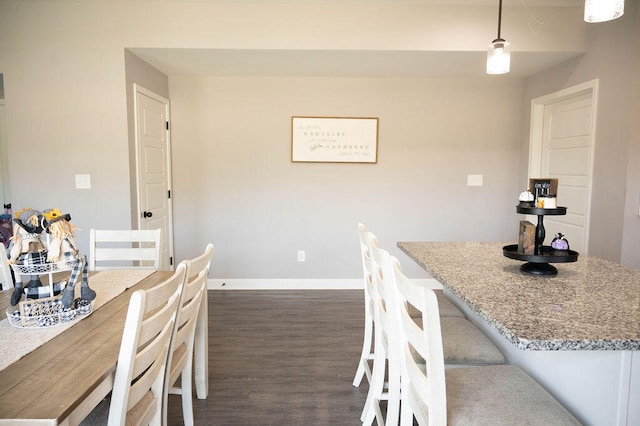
point(147, 214)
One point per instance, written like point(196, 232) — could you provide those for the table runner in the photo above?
point(107, 284)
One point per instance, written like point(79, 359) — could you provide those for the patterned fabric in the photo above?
point(33, 258)
point(80, 266)
point(43, 291)
point(30, 258)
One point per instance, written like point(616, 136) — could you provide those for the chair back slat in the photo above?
point(367, 268)
point(188, 314)
point(124, 249)
point(197, 264)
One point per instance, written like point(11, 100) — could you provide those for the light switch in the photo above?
point(83, 182)
point(474, 180)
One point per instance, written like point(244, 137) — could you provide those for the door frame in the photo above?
point(538, 106)
point(5, 188)
point(138, 89)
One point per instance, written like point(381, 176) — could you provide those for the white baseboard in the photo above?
point(298, 284)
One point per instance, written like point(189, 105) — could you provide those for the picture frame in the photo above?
point(334, 139)
point(543, 186)
point(526, 237)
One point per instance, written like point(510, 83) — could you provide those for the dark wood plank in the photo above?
point(281, 357)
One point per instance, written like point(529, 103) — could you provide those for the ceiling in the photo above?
point(332, 63)
point(351, 63)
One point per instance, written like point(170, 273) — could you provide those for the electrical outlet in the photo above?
point(301, 256)
point(474, 180)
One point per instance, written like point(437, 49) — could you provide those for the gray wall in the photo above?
point(235, 185)
point(67, 86)
point(631, 229)
point(612, 57)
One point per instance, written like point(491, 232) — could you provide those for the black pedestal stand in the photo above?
point(538, 263)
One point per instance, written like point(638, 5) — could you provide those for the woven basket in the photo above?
point(44, 268)
point(47, 312)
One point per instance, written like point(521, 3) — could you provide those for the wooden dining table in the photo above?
point(59, 381)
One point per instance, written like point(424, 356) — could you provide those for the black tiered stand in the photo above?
point(538, 263)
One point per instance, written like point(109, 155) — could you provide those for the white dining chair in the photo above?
point(497, 395)
point(181, 353)
point(124, 249)
point(6, 280)
point(201, 345)
point(385, 364)
point(367, 353)
point(465, 344)
point(138, 386)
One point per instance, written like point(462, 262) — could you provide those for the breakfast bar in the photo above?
point(577, 332)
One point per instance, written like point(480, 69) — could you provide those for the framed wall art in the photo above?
point(334, 139)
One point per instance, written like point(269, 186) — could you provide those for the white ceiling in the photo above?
point(325, 63)
point(351, 63)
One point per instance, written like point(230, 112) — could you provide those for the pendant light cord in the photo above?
point(499, 18)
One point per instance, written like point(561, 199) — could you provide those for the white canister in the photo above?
point(548, 201)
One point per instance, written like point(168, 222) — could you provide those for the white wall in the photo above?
point(66, 92)
point(235, 185)
point(631, 230)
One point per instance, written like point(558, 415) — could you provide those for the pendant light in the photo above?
point(603, 10)
point(499, 54)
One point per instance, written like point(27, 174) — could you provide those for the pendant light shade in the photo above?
point(499, 53)
point(499, 57)
point(603, 10)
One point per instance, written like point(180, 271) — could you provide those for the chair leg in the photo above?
point(201, 350)
point(187, 394)
point(406, 416)
point(376, 413)
point(376, 385)
point(393, 402)
point(363, 365)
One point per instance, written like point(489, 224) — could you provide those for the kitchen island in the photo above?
point(577, 332)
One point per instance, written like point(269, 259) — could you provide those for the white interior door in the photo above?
point(154, 169)
point(564, 150)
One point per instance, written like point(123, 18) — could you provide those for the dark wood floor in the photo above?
point(281, 358)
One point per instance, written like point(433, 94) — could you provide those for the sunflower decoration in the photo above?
point(52, 216)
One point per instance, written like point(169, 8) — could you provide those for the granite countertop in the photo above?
point(592, 304)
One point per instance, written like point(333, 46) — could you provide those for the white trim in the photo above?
point(298, 284)
point(5, 186)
